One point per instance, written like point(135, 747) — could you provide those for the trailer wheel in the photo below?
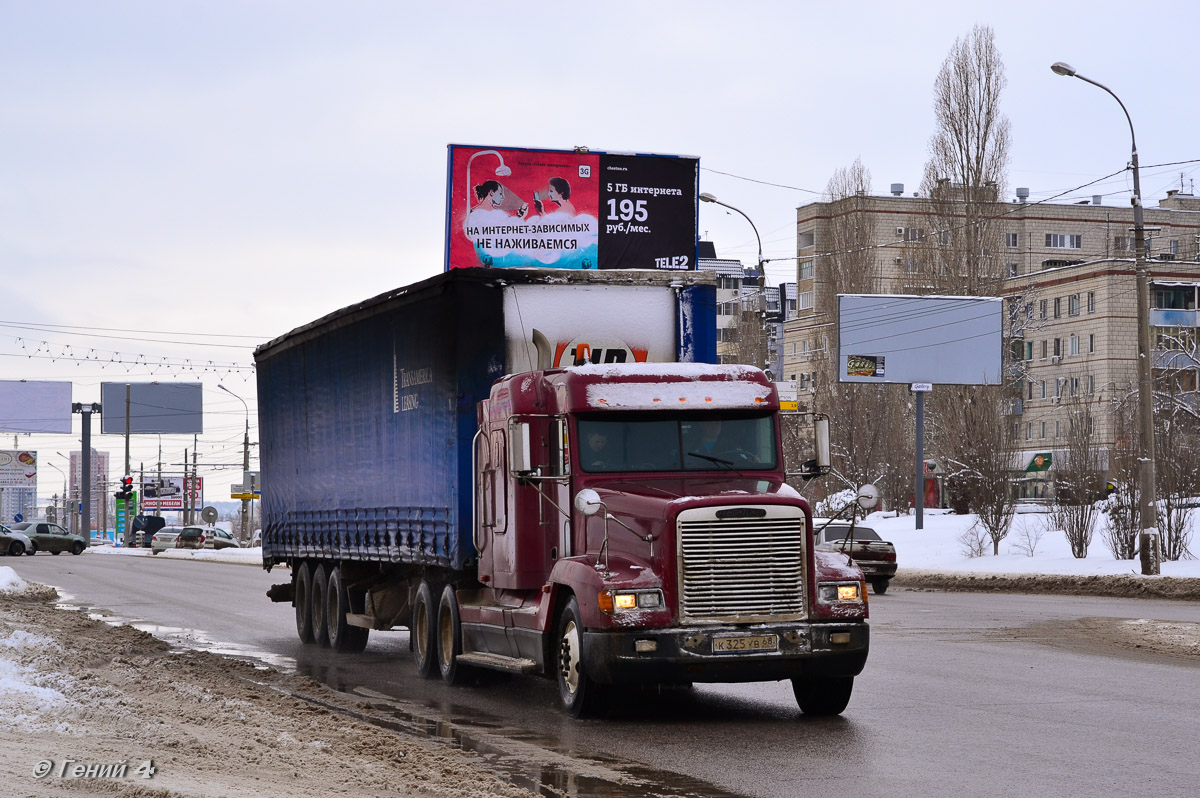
point(449, 638)
point(343, 638)
point(823, 696)
point(318, 602)
point(581, 695)
point(303, 602)
point(422, 631)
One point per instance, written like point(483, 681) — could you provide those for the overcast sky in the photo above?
point(185, 170)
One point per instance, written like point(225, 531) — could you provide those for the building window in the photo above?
point(1011, 240)
point(1043, 432)
point(1028, 430)
point(1029, 395)
point(1057, 428)
point(793, 347)
point(806, 300)
point(1058, 307)
point(1074, 386)
point(803, 384)
point(1091, 384)
point(1042, 309)
point(1063, 241)
point(1013, 270)
point(1091, 342)
point(1043, 349)
point(1091, 426)
point(806, 270)
point(911, 233)
point(806, 240)
point(1073, 345)
point(1043, 389)
point(1073, 305)
point(1123, 243)
point(1091, 301)
point(944, 237)
point(1058, 347)
point(1177, 298)
point(1174, 246)
point(1029, 350)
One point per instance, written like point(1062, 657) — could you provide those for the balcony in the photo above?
point(1173, 318)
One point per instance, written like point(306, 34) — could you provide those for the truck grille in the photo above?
point(741, 569)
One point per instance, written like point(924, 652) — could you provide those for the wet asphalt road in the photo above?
point(953, 700)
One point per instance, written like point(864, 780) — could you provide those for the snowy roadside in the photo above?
point(87, 706)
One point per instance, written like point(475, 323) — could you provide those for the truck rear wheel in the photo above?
point(880, 586)
point(422, 631)
point(343, 638)
point(303, 602)
point(823, 696)
point(581, 696)
point(320, 588)
point(449, 637)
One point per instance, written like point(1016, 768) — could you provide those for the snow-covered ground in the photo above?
point(938, 547)
point(242, 556)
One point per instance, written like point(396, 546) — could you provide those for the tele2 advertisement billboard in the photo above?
point(570, 209)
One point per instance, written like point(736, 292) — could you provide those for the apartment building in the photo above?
point(1068, 273)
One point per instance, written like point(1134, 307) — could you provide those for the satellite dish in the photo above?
point(209, 515)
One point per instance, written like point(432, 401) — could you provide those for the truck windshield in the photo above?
point(683, 443)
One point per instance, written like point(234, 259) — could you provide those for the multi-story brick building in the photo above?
point(1068, 272)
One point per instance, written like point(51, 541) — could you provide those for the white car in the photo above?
point(214, 538)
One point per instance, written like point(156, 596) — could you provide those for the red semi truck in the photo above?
point(600, 524)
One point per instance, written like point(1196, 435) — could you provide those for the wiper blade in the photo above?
point(718, 460)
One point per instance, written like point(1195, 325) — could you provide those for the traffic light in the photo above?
point(126, 491)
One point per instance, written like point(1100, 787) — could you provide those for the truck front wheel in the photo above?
point(303, 601)
point(320, 588)
point(343, 638)
point(421, 632)
point(581, 696)
point(449, 637)
point(823, 696)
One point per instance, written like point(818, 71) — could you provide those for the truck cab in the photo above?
point(633, 525)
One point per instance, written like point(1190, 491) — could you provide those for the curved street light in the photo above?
point(706, 197)
point(1148, 541)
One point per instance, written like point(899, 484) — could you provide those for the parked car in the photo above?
point(217, 538)
point(14, 542)
point(144, 527)
point(190, 537)
point(164, 539)
point(875, 557)
point(50, 537)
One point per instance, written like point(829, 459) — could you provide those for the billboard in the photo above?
point(570, 209)
point(944, 340)
point(154, 407)
point(167, 492)
point(18, 469)
point(35, 406)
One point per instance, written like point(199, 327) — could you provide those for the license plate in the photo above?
point(725, 645)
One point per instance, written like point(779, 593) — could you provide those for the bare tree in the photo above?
point(868, 439)
point(981, 473)
point(1077, 479)
point(1177, 441)
point(965, 173)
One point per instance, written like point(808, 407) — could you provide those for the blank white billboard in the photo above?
point(945, 340)
point(168, 408)
point(35, 406)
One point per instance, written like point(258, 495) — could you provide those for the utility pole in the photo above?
point(245, 464)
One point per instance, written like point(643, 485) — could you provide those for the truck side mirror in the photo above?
point(587, 502)
point(868, 496)
point(520, 460)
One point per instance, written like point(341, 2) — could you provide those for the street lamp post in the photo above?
point(64, 476)
point(706, 197)
point(245, 461)
point(1148, 539)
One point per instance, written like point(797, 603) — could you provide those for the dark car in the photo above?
point(875, 557)
point(190, 537)
point(50, 537)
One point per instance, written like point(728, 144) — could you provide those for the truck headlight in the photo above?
point(840, 592)
point(615, 601)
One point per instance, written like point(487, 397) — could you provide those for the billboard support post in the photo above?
point(85, 467)
point(919, 482)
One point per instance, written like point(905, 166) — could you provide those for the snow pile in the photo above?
point(240, 556)
point(10, 582)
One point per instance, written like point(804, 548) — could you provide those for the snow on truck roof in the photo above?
point(683, 386)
